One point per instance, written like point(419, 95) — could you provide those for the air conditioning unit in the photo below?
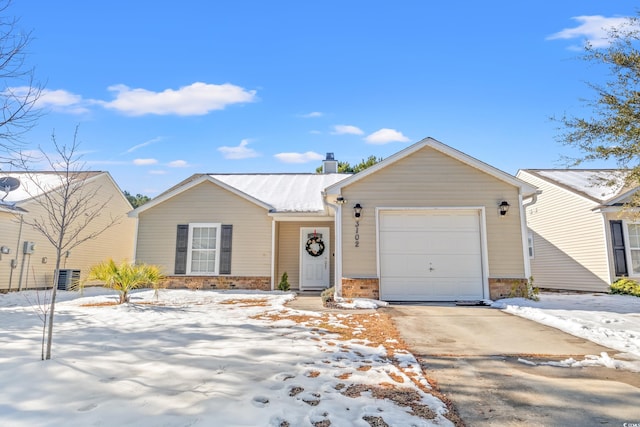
point(68, 279)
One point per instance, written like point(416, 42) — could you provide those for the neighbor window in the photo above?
point(202, 257)
point(633, 231)
point(530, 243)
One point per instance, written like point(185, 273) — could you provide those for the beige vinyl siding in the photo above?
point(38, 268)
point(289, 247)
point(207, 203)
point(569, 239)
point(8, 237)
point(428, 178)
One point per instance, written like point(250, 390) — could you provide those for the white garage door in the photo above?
point(430, 255)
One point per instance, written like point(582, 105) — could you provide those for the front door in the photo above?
point(315, 258)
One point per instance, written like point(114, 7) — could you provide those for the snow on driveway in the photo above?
point(200, 358)
point(609, 320)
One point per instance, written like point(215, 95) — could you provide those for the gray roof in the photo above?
point(284, 192)
point(599, 185)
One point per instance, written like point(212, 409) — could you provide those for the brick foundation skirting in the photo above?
point(261, 283)
point(361, 288)
point(507, 288)
point(370, 288)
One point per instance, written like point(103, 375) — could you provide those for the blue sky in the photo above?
point(163, 89)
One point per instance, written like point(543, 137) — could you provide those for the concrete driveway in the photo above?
point(473, 353)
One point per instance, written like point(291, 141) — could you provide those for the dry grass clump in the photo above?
point(246, 302)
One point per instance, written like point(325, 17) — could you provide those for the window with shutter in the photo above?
point(203, 249)
point(182, 240)
point(619, 251)
point(226, 238)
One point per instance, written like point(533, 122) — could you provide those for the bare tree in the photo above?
point(69, 206)
point(19, 91)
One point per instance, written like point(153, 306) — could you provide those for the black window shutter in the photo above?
point(226, 237)
point(617, 243)
point(182, 241)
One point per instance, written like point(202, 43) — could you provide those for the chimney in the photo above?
point(329, 165)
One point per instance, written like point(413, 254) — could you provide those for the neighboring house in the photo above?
point(27, 258)
point(580, 238)
point(423, 224)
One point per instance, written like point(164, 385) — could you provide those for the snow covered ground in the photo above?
point(610, 320)
point(198, 358)
point(201, 358)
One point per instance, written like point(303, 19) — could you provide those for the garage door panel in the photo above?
point(441, 265)
point(446, 290)
point(430, 256)
point(430, 242)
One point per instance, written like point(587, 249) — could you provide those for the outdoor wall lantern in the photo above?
point(504, 207)
point(357, 210)
point(341, 200)
point(5, 250)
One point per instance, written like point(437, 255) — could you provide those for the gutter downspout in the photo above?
point(14, 261)
point(338, 243)
point(525, 231)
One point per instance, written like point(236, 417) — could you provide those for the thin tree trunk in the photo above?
point(53, 306)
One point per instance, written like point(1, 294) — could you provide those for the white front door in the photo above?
point(315, 257)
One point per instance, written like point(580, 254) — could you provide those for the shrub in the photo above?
point(284, 282)
point(625, 286)
point(527, 291)
point(327, 295)
point(125, 277)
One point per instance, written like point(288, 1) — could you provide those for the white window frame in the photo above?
point(628, 249)
point(530, 245)
point(192, 226)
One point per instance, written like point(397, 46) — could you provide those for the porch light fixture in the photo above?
point(504, 208)
point(5, 250)
point(341, 200)
point(357, 210)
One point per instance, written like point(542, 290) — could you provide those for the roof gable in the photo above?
point(35, 184)
point(273, 192)
point(526, 189)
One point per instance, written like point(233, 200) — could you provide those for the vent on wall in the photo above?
point(68, 279)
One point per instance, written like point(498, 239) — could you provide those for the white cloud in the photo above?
point(194, 100)
point(239, 152)
point(309, 156)
point(178, 164)
point(384, 136)
point(312, 115)
point(144, 162)
point(58, 100)
point(144, 144)
point(594, 29)
point(347, 130)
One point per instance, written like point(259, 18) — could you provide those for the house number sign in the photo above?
point(357, 235)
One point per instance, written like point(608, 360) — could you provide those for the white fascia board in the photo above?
point(301, 216)
point(134, 213)
point(619, 198)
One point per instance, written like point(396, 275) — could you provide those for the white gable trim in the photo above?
point(525, 188)
point(205, 178)
point(621, 197)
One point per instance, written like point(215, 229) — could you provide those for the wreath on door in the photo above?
point(315, 246)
